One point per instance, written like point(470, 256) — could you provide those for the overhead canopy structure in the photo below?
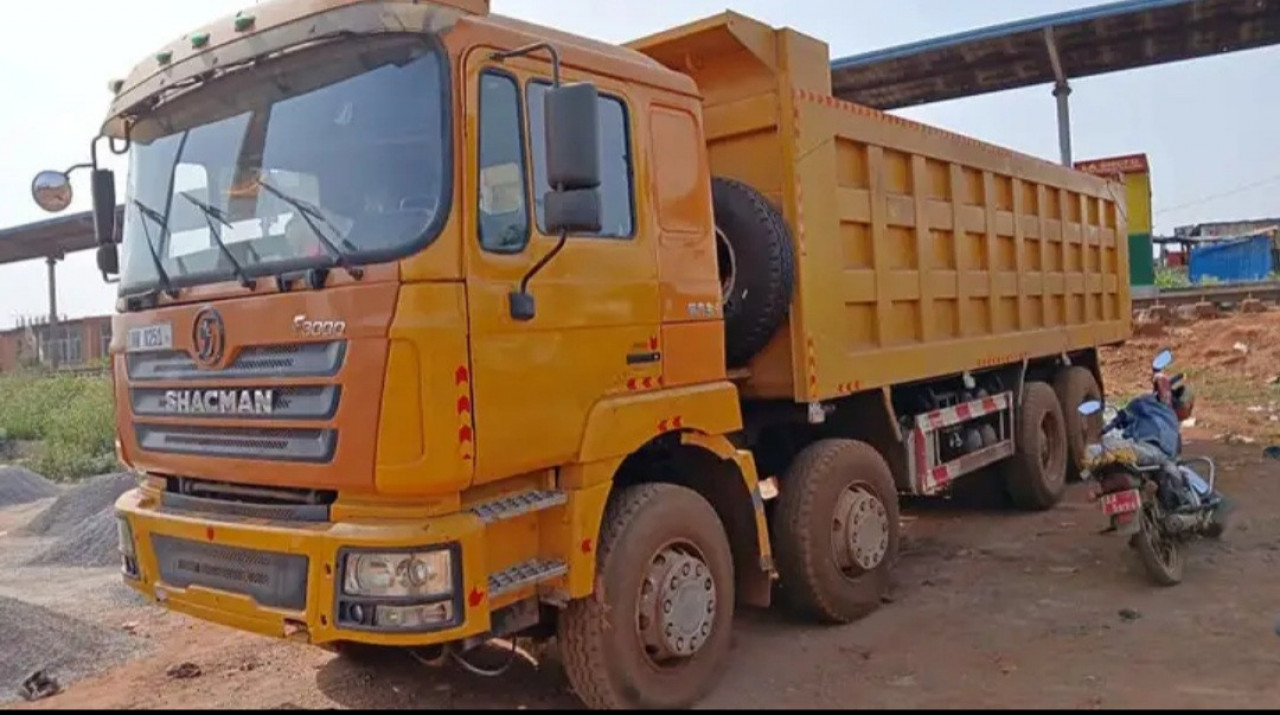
point(50, 239)
point(1053, 49)
point(53, 237)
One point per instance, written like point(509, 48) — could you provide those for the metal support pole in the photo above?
point(52, 262)
point(1061, 92)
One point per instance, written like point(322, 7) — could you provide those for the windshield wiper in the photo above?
point(309, 213)
point(156, 216)
point(210, 214)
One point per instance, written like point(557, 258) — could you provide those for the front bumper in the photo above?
point(313, 548)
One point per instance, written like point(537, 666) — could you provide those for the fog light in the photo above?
point(413, 617)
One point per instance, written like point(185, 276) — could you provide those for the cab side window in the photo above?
point(503, 195)
point(616, 185)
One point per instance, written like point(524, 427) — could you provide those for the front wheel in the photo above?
point(655, 634)
point(835, 531)
point(1161, 555)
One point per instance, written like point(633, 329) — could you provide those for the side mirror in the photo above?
point(51, 191)
point(108, 259)
point(571, 118)
point(1091, 407)
point(104, 206)
point(1163, 360)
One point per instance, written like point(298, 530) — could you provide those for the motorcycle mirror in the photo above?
point(1091, 407)
point(1163, 360)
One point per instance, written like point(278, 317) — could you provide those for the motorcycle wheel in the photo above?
point(1161, 555)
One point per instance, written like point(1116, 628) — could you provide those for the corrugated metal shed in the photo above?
point(1244, 259)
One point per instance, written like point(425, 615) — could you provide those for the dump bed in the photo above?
point(919, 252)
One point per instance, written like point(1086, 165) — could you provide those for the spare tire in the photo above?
point(757, 265)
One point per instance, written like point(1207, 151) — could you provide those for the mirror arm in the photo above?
point(546, 258)
point(530, 49)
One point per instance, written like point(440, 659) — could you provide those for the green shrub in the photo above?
point(71, 416)
point(1171, 277)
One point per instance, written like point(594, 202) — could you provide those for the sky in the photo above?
point(1210, 127)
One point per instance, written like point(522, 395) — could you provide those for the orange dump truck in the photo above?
point(437, 327)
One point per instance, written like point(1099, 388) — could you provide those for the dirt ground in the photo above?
point(990, 608)
point(1232, 365)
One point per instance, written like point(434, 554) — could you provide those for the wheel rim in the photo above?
point(675, 615)
point(726, 263)
point(859, 530)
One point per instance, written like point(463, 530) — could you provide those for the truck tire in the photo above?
point(757, 267)
point(656, 632)
point(1036, 474)
point(835, 531)
point(1074, 386)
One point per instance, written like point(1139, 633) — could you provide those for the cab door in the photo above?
point(596, 327)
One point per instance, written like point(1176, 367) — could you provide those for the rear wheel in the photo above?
point(655, 634)
point(1036, 473)
point(1161, 555)
point(1074, 386)
point(836, 531)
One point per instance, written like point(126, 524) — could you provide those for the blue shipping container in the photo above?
point(1246, 259)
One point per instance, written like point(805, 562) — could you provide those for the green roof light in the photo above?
point(200, 39)
point(243, 22)
point(164, 57)
point(115, 86)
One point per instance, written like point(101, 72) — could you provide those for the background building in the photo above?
point(67, 344)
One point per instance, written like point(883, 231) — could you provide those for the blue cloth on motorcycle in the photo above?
point(1146, 419)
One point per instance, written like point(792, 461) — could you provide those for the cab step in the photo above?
point(510, 507)
point(525, 574)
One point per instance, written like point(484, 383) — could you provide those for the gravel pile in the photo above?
point(65, 648)
point(78, 506)
point(23, 486)
point(93, 542)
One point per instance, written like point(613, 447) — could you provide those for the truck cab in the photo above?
point(401, 285)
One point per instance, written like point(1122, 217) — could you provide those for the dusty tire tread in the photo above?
point(794, 547)
point(583, 625)
point(581, 637)
point(1073, 385)
point(1022, 470)
point(772, 312)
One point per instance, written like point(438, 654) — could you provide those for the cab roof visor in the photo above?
point(278, 27)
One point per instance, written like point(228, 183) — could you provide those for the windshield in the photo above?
point(348, 140)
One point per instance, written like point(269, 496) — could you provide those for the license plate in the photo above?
point(1121, 502)
point(151, 337)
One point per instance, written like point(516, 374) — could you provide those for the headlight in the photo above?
point(420, 574)
point(124, 538)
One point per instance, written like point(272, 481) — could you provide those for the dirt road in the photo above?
point(990, 610)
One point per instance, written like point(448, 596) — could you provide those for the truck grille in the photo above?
point(299, 360)
point(308, 402)
point(285, 445)
point(271, 579)
point(202, 395)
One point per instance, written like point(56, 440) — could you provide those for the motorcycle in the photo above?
point(1147, 489)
